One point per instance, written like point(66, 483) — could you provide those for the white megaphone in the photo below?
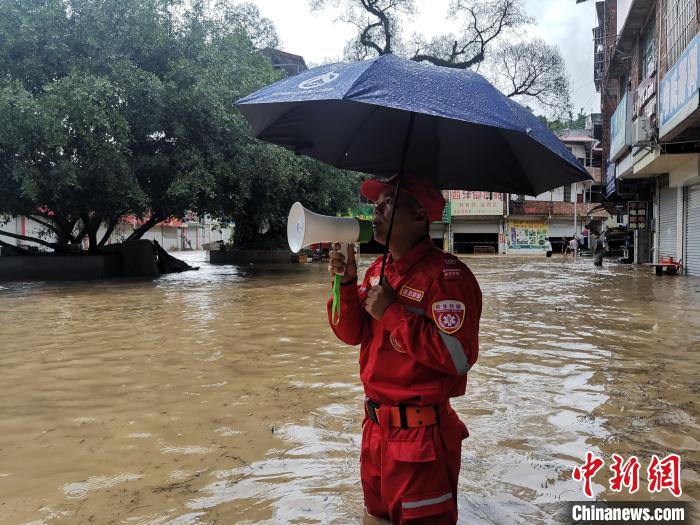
point(305, 228)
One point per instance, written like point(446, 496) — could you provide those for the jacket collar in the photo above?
point(419, 252)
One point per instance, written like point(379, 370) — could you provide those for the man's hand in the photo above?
point(378, 300)
point(338, 265)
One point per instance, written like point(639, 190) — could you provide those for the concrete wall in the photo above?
point(59, 268)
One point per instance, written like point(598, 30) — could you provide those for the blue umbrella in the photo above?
point(377, 116)
point(392, 116)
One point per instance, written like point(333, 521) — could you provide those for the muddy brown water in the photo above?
point(221, 396)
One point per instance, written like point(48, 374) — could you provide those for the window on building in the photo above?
point(680, 25)
point(648, 50)
point(567, 193)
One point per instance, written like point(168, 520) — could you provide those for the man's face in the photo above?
point(407, 220)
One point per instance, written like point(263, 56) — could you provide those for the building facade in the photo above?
point(646, 70)
point(483, 222)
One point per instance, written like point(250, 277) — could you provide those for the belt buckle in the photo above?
point(372, 407)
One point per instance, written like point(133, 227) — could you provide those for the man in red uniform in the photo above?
point(418, 337)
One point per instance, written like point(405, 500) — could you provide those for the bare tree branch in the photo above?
point(51, 245)
point(536, 70)
point(138, 232)
point(539, 74)
point(110, 228)
point(45, 224)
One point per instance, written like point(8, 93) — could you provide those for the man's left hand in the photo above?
point(378, 300)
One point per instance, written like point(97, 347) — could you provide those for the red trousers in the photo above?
point(409, 476)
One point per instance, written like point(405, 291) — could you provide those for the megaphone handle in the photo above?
point(344, 248)
point(344, 251)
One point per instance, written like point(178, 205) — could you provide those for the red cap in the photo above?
point(423, 190)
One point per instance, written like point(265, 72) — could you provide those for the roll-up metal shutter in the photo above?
point(692, 231)
point(475, 227)
point(668, 221)
point(562, 229)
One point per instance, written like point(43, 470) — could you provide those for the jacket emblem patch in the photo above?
point(374, 281)
point(448, 315)
point(411, 293)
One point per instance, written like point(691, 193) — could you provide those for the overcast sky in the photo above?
point(319, 38)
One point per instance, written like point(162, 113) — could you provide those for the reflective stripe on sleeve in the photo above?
point(454, 347)
point(425, 502)
point(456, 352)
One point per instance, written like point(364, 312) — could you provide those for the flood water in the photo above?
point(221, 396)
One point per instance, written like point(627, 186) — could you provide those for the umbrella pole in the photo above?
point(404, 154)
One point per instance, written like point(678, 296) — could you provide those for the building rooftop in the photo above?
point(291, 63)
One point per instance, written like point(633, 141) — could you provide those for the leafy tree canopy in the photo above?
point(126, 107)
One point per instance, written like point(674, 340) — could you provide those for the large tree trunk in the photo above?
point(138, 233)
point(169, 264)
point(110, 228)
point(91, 224)
point(61, 226)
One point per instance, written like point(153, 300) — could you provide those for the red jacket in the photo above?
point(420, 351)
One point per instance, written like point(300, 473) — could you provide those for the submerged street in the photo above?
point(222, 396)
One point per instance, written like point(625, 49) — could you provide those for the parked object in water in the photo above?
point(669, 264)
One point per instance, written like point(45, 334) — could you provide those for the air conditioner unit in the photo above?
point(641, 130)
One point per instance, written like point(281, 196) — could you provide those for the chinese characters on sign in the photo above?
point(476, 203)
point(637, 215)
point(662, 474)
point(679, 87)
point(528, 234)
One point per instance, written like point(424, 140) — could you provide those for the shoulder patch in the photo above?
point(412, 293)
point(451, 267)
point(448, 315)
point(452, 273)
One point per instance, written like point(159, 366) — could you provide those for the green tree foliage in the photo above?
point(126, 107)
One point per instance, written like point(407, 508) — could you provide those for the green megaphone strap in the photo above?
point(335, 307)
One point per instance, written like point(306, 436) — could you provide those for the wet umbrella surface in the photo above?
point(466, 134)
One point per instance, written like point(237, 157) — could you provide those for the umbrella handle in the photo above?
point(343, 250)
point(404, 154)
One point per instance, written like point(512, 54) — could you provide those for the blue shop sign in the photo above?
point(678, 92)
point(620, 124)
point(610, 186)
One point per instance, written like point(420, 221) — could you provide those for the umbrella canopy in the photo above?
point(377, 116)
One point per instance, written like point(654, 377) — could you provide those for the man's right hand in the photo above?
point(338, 265)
